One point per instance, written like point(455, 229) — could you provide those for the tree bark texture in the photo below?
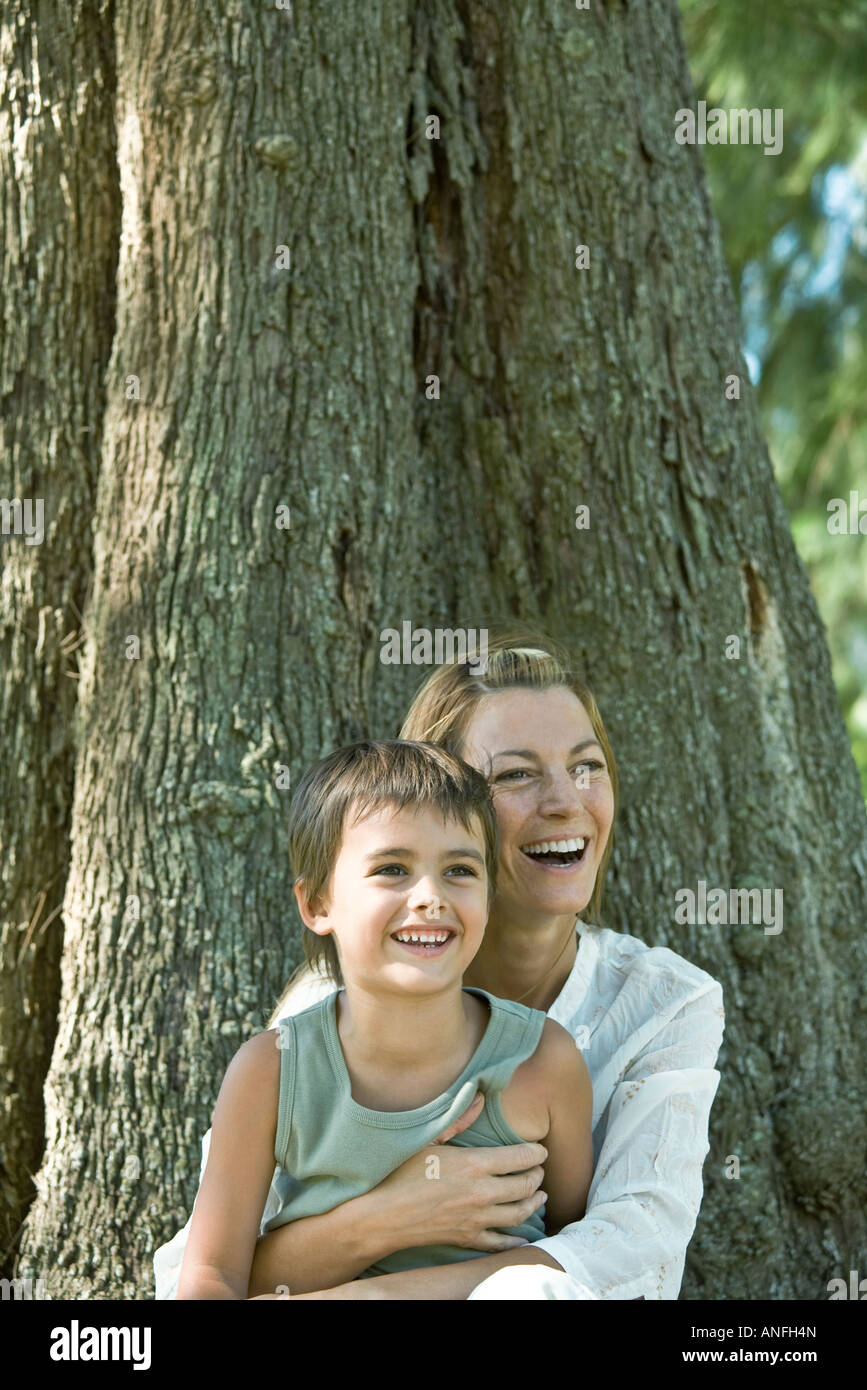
point(295, 261)
point(59, 221)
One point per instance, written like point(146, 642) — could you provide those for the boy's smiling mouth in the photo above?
point(424, 942)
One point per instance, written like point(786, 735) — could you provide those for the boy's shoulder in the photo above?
point(252, 1077)
point(557, 1055)
point(556, 1068)
point(555, 1042)
point(259, 1056)
point(557, 1049)
point(553, 1038)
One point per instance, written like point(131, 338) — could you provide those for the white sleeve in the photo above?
point(647, 1185)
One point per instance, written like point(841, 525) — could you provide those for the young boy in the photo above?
point(395, 848)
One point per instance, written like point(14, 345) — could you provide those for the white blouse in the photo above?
point(650, 1026)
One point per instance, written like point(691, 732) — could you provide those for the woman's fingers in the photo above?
point(498, 1201)
point(510, 1158)
point(517, 1188)
point(491, 1234)
point(494, 1242)
point(515, 1213)
point(472, 1112)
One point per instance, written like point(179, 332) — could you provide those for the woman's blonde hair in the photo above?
point(518, 657)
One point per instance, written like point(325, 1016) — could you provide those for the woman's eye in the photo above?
point(592, 763)
point(519, 772)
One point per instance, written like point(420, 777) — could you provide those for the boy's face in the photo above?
point(399, 874)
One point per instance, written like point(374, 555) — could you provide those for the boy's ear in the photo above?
point(314, 913)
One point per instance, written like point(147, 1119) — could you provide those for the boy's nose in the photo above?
point(424, 899)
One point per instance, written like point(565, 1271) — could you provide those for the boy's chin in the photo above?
point(417, 973)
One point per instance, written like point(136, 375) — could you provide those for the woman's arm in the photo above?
point(453, 1281)
point(647, 1186)
point(240, 1166)
point(478, 1191)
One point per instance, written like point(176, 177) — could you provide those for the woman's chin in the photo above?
point(555, 892)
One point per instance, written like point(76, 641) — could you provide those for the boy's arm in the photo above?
point(231, 1198)
point(569, 1141)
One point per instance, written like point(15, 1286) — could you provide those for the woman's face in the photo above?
point(550, 785)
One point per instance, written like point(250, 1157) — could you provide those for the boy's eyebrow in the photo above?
point(464, 851)
point(534, 757)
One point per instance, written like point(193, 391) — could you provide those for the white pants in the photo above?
point(530, 1281)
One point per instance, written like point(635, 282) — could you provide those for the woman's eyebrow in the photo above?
point(534, 757)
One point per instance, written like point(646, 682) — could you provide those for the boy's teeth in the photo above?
point(438, 937)
point(552, 846)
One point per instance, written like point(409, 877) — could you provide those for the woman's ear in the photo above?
point(314, 911)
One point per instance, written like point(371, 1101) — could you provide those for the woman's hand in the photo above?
point(446, 1195)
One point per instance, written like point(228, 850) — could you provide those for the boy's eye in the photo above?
point(397, 870)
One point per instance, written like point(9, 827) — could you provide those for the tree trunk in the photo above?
point(59, 214)
point(296, 261)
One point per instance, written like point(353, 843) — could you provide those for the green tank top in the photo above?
point(329, 1148)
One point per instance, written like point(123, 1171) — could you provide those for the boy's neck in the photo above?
point(409, 1035)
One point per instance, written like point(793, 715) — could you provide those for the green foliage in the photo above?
point(794, 228)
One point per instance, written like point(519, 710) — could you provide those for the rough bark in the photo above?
point(240, 130)
point(59, 210)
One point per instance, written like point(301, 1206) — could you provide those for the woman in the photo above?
point(648, 1022)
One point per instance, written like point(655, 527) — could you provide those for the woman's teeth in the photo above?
point(564, 852)
point(548, 846)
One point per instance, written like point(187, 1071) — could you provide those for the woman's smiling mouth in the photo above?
point(556, 854)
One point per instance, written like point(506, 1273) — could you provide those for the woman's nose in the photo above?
point(560, 792)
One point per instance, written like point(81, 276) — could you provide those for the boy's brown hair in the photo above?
point(361, 778)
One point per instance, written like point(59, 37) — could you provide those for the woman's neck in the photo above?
point(529, 964)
